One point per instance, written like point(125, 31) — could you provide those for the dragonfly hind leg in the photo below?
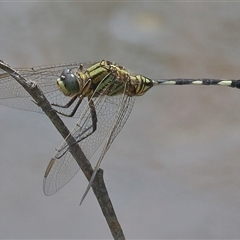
point(93, 126)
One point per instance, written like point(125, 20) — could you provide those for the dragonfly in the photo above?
point(100, 94)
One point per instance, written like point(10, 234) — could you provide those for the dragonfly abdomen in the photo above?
point(140, 85)
point(200, 81)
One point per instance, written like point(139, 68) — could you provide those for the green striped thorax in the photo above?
point(103, 78)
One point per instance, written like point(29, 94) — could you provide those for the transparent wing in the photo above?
point(63, 166)
point(12, 94)
point(120, 119)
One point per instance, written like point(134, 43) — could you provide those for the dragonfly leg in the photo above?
point(73, 111)
point(68, 103)
point(94, 121)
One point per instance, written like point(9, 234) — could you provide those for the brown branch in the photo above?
point(98, 185)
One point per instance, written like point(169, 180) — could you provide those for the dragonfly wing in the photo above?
point(63, 166)
point(58, 173)
point(120, 119)
point(12, 94)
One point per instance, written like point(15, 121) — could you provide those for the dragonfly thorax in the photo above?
point(68, 83)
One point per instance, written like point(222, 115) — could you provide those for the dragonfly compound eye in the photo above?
point(68, 83)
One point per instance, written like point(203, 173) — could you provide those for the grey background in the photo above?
point(173, 171)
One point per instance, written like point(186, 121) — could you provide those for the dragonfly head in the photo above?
point(68, 83)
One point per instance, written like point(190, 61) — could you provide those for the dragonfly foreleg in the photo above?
point(69, 104)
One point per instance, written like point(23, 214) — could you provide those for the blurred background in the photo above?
point(173, 171)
